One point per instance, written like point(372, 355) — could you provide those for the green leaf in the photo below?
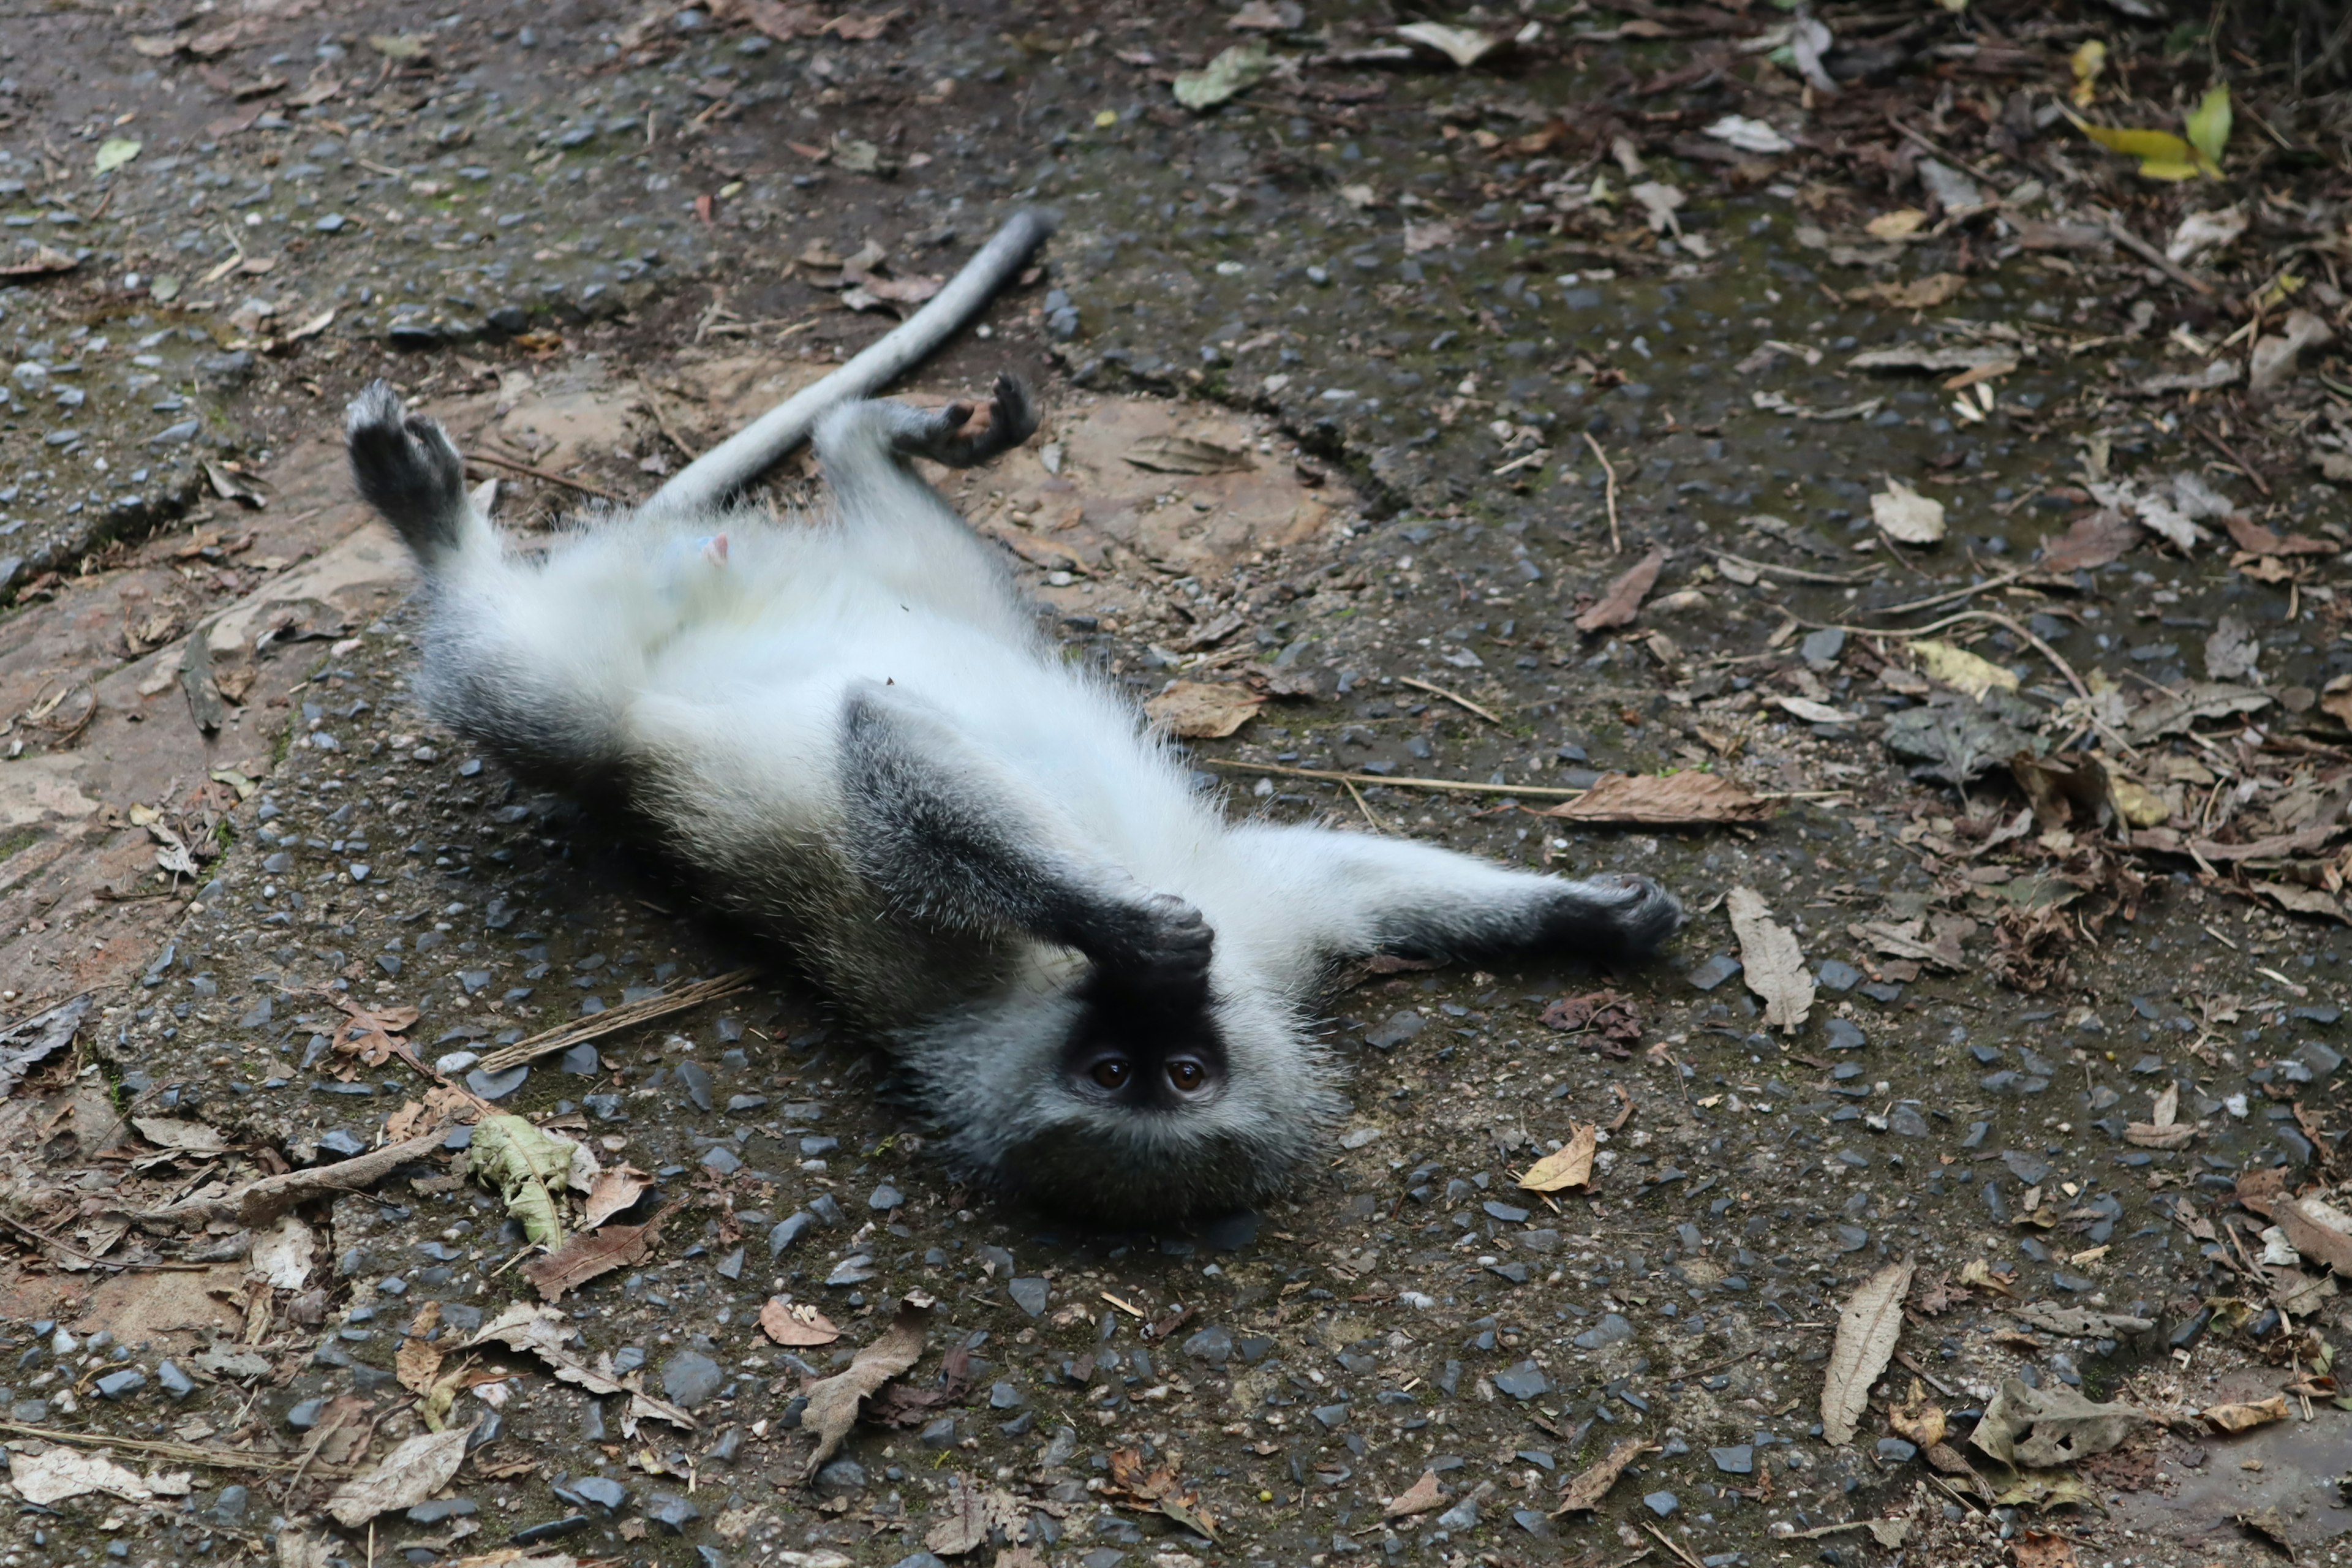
point(2209, 124)
point(1235, 70)
point(530, 1168)
point(115, 151)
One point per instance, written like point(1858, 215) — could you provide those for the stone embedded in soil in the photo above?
point(228, 1508)
point(498, 1084)
point(671, 1513)
point(885, 1198)
point(1213, 1345)
point(1710, 972)
point(940, 1435)
point(689, 1378)
point(1611, 1330)
point(441, 1509)
point(602, 1492)
point(1845, 1034)
point(176, 1383)
point(1836, 974)
point(697, 1079)
point(1525, 1381)
point(1739, 1459)
point(1463, 1515)
point(840, 1476)
point(789, 1229)
point(1029, 1294)
point(1399, 1028)
point(580, 1060)
point(1660, 1503)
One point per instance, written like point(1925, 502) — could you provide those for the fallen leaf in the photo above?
point(284, 1253)
point(1604, 1018)
point(2046, 1489)
point(1749, 136)
point(589, 1253)
point(962, 1524)
point(2255, 540)
point(2064, 794)
point(401, 48)
point(2244, 1418)
point(529, 1168)
point(1420, 239)
point(372, 1035)
point(182, 1137)
point(539, 1331)
point(405, 1477)
point(612, 1191)
point(1900, 224)
point(1418, 1498)
point(1584, 1492)
point(2094, 540)
point(30, 1041)
point(2200, 232)
point(1235, 70)
point(1917, 1419)
point(833, 1401)
point(1462, 46)
point(1184, 455)
point(1866, 1332)
point(1904, 515)
point(51, 1478)
point(417, 1362)
point(1660, 201)
point(799, 1326)
point(1158, 1488)
point(2044, 1426)
point(1921, 294)
point(115, 151)
point(1570, 1166)
point(45, 260)
point(2042, 1549)
point(2319, 1231)
point(1622, 602)
point(2161, 154)
point(1664, 799)
point(1771, 963)
point(1203, 710)
point(2208, 123)
point(2171, 712)
point(1813, 712)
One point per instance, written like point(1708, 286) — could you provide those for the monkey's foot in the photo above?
point(1161, 945)
point(952, 435)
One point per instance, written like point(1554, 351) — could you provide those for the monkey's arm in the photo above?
point(1349, 895)
point(950, 836)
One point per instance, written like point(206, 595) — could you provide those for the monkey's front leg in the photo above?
point(951, 836)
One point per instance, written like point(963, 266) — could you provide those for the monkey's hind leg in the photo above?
point(408, 470)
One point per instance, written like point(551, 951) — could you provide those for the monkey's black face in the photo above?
point(1144, 1054)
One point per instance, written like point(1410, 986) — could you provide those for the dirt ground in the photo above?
point(1775, 450)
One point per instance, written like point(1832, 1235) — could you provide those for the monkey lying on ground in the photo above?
point(852, 731)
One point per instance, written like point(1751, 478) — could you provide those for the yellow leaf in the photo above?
point(2089, 61)
point(2168, 169)
point(1570, 1167)
point(2208, 123)
point(2283, 287)
point(2136, 803)
point(1900, 224)
point(2162, 155)
point(1962, 670)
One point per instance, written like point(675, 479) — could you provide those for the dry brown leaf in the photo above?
point(1202, 711)
point(833, 1401)
point(1948, 1459)
point(418, 1362)
point(45, 260)
point(2096, 538)
point(799, 1326)
point(2244, 1418)
point(2322, 1232)
point(2147, 1135)
point(2255, 540)
point(1904, 515)
point(62, 1472)
point(1917, 1419)
point(1622, 602)
point(1924, 294)
point(1570, 1167)
point(1866, 1332)
point(2042, 1427)
point(962, 1525)
point(1663, 800)
point(1418, 1498)
point(586, 1254)
point(612, 1192)
point(1771, 963)
point(1160, 1490)
point(1584, 1492)
point(403, 1478)
point(2042, 1549)
point(181, 1137)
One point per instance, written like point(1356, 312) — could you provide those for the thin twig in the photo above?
point(1906, 634)
point(1912, 606)
point(1454, 697)
point(2132, 242)
point(563, 1036)
point(1616, 541)
point(582, 486)
point(186, 1453)
point(46, 1239)
point(2231, 453)
point(1365, 806)
point(1797, 573)
point(1682, 1553)
point(1459, 786)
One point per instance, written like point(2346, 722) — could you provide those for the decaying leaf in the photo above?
point(62, 1472)
point(1867, 1329)
point(1159, 1489)
point(2046, 1489)
point(2320, 1231)
point(588, 1253)
point(2046, 1426)
point(403, 1478)
point(1622, 602)
point(541, 1332)
point(833, 1401)
point(1203, 710)
point(1607, 1021)
point(529, 1168)
point(418, 1362)
point(2071, 792)
point(612, 1191)
point(2163, 1128)
point(2255, 540)
point(2094, 539)
point(971, 1513)
point(2080, 1323)
point(1960, 669)
point(45, 260)
point(1571, 1166)
point(2042, 1549)
point(2244, 1418)
point(1418, 1498)
point(1924, 294)
point(283, 1253)
point(181, 1137)
point(1918, 1418)
point(1235, 70)
point(1663, 800)
point(29, 1042)
point(1771, 963)
point(1906, 516)
point(2171, 712)
point(1584, 1492)
point(798, 1324)
point(1956, 739)
point(1463, 46)
point(1184, 454)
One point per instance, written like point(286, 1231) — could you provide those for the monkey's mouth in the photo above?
point(1140, 1167)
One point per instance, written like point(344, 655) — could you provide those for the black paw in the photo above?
point(1162, 945)
point(948, 435)
point(1616, 916)
point(405, 468)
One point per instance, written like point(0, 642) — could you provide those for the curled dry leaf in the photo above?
point(1584, 1492)
point(1622, 602)
point(1159, 1489)
point(1918, 1418)
point(612, 1192)
point(1960, 669)
point(1866, 1332)
point(1906, 516)
point(1201, 711)
point(2319, 1231)
point(405, 1477)
point(799, 1325)
point(588, 1254)
point(833, 1401)
point(1571, 1166)
point(418, 1362)
point(1418, 1498)
point(1771, 959)
point(2244, 1417)
point(1663, 800)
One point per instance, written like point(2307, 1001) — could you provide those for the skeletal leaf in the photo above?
point(2043, 1426)
point(1904, 515)
point(833, 1401)
point(405, 1477)
point(1771, 962)
point(1570, 1167)
point(529, 1168)
point(1867, 1329)
point(1585, 1491)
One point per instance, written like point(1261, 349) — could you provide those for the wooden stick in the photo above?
point(582, 486)
point(1454, 697)
point(1796, 574)
point(563, 1036)
point(710, 479)
point(2123, 236)
point(1455, 786)
point(186, 1453)
point(2231, 453)
point(1995, 617)
point(1616, 541)
point(1988, 585)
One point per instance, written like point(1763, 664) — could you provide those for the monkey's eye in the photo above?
point(1111, 1072)
point(1187, 1076)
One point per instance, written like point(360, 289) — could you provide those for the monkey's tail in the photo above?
point(408, 470)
